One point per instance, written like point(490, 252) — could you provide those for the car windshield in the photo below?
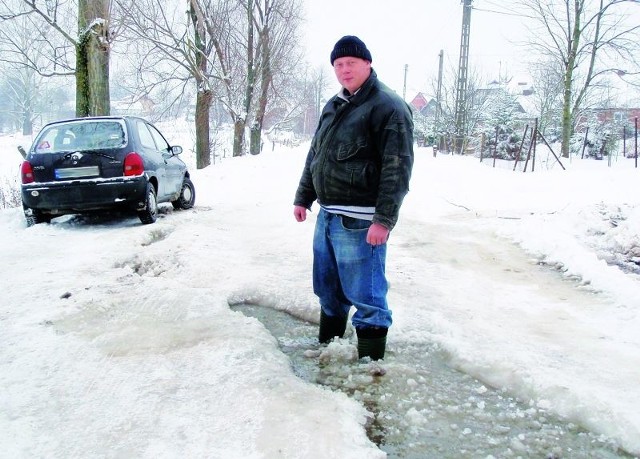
point(80, 136)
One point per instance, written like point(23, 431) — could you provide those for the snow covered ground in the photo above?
point(118, 339)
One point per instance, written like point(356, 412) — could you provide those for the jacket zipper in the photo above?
point(340, 111)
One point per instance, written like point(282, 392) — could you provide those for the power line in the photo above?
point(502, 9)
point(505, 13)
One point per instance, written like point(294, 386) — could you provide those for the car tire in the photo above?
point(149, 214)
point(187, 195)
point(35, 217)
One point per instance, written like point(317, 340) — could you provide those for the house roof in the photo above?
point(419, 101)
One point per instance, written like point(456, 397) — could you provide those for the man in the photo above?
point(358, 169)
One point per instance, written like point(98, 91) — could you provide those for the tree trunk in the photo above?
point(566, 116)
point(265, 82)
point(98, 72)
point(238, 136)
point(251, 71)
point(256, 139)
point(204, 95)
point(27, 123)
point(92, 58)
point(572, 50)
point(203, 146)
point(82, 79)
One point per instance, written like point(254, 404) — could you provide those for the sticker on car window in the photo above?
point(44, 145)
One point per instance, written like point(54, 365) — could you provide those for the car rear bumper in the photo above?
point(86, 195)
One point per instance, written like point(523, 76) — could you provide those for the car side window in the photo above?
point(146, 138)
point(160, 140)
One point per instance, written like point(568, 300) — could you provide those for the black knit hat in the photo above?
point(350, 45)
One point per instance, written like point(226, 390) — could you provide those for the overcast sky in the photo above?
point(413, 32)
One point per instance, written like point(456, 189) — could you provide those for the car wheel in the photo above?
point(150, 212)
point(35, 217)
point(187, 195)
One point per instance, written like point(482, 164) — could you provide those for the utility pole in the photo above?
point(404, 88)
point(463, 68)
point(436, 124)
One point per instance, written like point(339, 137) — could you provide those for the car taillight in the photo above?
point(133, 164)
point(26, 172)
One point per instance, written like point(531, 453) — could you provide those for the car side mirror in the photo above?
point(176, 150)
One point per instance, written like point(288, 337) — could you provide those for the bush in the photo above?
point(9, 194)
point(507, 147)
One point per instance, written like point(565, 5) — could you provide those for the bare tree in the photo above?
point(172, 50)
point(276, 23)
point(209, 46)
point(261, 39)
point(297, 100)
point(26, 54)
point(26, 38)
point(168, 49)
point(204, 94)
point(23, 86)
point(547, 95)
point(233, 49)
point(314, 99)
point(19, 53)
point(587, 39)
point(474, 105)
point(90, 45)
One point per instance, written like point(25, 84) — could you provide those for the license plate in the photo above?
point(77, 172)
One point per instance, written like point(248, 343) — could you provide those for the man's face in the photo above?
point(351, 72)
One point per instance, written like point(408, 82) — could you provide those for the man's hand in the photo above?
point(300, 213)
point(377, 234)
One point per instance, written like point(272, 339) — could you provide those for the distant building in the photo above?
point(140, 106)
point(620, 116)
point(426, 107)
point(495, 90)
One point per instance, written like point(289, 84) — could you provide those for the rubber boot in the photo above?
point(331, 326)
point(372, 342)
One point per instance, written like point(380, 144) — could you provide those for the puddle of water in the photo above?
point(422, 408)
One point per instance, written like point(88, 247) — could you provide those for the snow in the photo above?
point(118, 338)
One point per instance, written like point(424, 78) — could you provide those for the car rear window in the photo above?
point(80, 136)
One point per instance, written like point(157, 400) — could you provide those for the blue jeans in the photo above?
point(348, 271)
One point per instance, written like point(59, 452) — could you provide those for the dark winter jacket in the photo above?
point(361, 154)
